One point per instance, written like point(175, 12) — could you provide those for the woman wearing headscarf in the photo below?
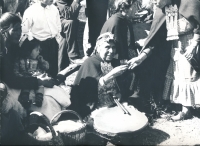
point(99, 78)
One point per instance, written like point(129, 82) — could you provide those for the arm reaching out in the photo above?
point(117, 71)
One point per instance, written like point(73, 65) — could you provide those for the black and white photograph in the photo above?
point(100, 72)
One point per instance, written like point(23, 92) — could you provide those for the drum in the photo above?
point(115, 126)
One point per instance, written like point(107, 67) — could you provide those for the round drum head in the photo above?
point(114, 121)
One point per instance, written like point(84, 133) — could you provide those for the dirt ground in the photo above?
point(163, 131)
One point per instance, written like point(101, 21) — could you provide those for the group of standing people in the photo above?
point(169, 59)
point(173, 42)
point(167, 65)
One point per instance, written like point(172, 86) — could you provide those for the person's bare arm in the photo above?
point(117, 71)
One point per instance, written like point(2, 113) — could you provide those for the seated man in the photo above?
point(99, 78)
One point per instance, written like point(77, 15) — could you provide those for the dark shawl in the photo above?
point(85, 89)
point(119, 26)
point(7, 71)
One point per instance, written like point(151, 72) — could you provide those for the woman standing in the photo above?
point(177, 21)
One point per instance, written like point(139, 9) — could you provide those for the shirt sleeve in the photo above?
point(58, 21)
point(26, 22)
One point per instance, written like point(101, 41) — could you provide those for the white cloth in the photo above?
point(182, 81)
point(41, 23)
point(54, 100)
point(58, 94)
point(49, 107)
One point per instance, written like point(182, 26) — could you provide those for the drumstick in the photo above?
point(123, 108)
point(115, 100)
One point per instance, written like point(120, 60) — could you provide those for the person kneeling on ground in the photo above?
point(99, 78)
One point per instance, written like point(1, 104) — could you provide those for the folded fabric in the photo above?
point(49, 107)
point(59, 94)
point(53, 101)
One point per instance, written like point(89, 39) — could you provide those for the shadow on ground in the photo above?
point(148, 136)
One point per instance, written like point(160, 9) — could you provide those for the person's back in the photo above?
point(119, 25)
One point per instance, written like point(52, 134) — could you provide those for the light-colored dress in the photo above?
point(182, 85)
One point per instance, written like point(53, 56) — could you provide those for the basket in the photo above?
point(76, 137)
point(45, 124)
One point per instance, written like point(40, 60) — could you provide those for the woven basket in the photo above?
point(36, 118)
point(76, 137)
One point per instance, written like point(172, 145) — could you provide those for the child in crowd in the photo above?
point(42, 22)
point(30, 63)
point(48, 101)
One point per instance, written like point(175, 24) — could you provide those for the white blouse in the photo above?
point(41, 23)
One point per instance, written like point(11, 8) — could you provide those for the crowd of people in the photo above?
point(37, 48)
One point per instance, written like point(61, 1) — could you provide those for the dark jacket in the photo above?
point(7, 71)
point(119, 26)
point(85, 89)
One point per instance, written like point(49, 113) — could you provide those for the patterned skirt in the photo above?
point(182, 85)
